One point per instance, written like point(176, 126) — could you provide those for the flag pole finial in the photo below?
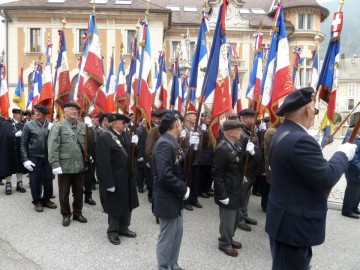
point(341, 5)
point(147, 9)
point(64, 22)
point(121, 49)
point(94, 6)
point(261, 25)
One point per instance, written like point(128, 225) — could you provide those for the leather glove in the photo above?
point(50, 125)
point(225, 201)
point(262, 126)
point(348, 149)
point(29, 165)
point(18, 134)
point(135, 139)
point(183, 134)
point(194, 139)
point(186, 194)
point(57, 171)
point(203, 127)
point(250, 147)
point(112, 189)
point(87, 121)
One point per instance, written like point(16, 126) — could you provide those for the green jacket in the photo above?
point(63, 149)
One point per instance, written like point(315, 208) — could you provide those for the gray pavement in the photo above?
point(30, 240)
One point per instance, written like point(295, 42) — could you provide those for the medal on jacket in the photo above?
point(117, 142)
point(179, 156)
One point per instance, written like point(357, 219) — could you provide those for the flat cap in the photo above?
point(233, 116)
point(118, 116)
point(296, 100)
point(15, 110)
point(72, 104)
point(247, 112)
point(167, 120)
point(41, 108)
point(231, 124)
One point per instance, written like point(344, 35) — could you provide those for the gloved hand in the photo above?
point(262, 126)
point(194, 139)
point(57, 171)
point(112, 189)
point(148, 164)
point(18, 134)
point(225, 201)
point(250, 147)
point(91, 160)
point(140, 159)
point(183, 134)
point(186, 194)
point(50, 125)
point(135, 139)
point(203, 127)
point(348, 149)
point(29, 165)
point(87, 121)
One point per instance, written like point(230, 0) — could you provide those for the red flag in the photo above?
point(4, 93)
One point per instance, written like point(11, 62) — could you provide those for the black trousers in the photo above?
point(193, 184)
point(351, 197)
point(264, 191)
point(287, 257)
point(41, 176)
point(118, 224)
point(76, 182)
point(205, 180)
point(89, 180)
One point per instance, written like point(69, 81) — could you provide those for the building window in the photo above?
point(351, 90)
point(130, 36)
point(350, 104)
point(305, 72)
point(35, 40)
point(305, 21)
point(81, 39)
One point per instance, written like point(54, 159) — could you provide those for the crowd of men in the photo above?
point(177, 163)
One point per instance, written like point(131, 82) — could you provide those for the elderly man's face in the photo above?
point(71, 113)
point(118, 125)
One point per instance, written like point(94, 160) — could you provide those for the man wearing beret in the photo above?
point(169, 191)
point(66, 144)
point(10, 157)
point(227, 166)
point(34, 154)
point(301, 180)
point(113, 149)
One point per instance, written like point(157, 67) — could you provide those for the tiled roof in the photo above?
point(306, 3)
point(349, 69)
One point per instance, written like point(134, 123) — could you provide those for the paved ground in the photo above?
point(30, 240)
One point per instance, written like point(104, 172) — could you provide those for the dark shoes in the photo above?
point(20, 187)
point(197, 204)
point(357, 211)
point(80, 218)
point(189, 207)
point(66, 221)
point(50, 205)
point(8, 189)
point(236, 244)
point(250, 221)
point(351, 215)
point(204, 195)
point(128, 233)
point(229, 251)
point(90, 201)
point(244, 227)
point(140, 189)
point(115, 240)
point(39, 207)
point(1, 183)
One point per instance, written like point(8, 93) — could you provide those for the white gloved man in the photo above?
point(203, 127)
point(140, 159)
point(250, 147)
point(147, 164)
point(29, 165)
point(225, 201)
point(183, 134)
point(262, 126)
point(187, 193)
point(112, 189)
point(18, 133)
point(194, 139)
point(87, 121)
point(50, 125)
point(135, 139)
point(348, 149)
point(57, 170)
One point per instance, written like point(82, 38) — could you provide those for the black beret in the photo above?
point(233, 116)
point(296, 100)
point(17, 111)
point(118, 116)
point(247, 112)
point(167, 121)
point(72, 104)
point(267, 119)
point(41, 108)
point(159, 113)
point(27, 112)
point(231, 124)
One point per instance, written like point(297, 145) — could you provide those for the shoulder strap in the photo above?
point(116, 139)
point(73, 135)
point(278, 140)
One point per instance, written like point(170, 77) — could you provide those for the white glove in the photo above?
point(50, 125)
point(262, 126)
point(148, 164)
point(112, 189)
point(194, 139)
point(29, 165)
point(316, 137)
point(140, 159)
point(135, 139)
point(18, 134)
point(348, 149)
point(87, 121)
point(91, 160)
point(57, 171)
point(187, 194)
point(203, 127)
point(250, 147)
point(183, 134)
point(225, 201)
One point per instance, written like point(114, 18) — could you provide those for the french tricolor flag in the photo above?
point(176, 96)
point(120, 95)
point(110, 88)
point(161, 94)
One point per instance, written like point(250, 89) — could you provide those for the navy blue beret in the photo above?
point(296, 100)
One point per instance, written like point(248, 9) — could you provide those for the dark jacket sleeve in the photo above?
point(104, 169)
point(218, 171)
